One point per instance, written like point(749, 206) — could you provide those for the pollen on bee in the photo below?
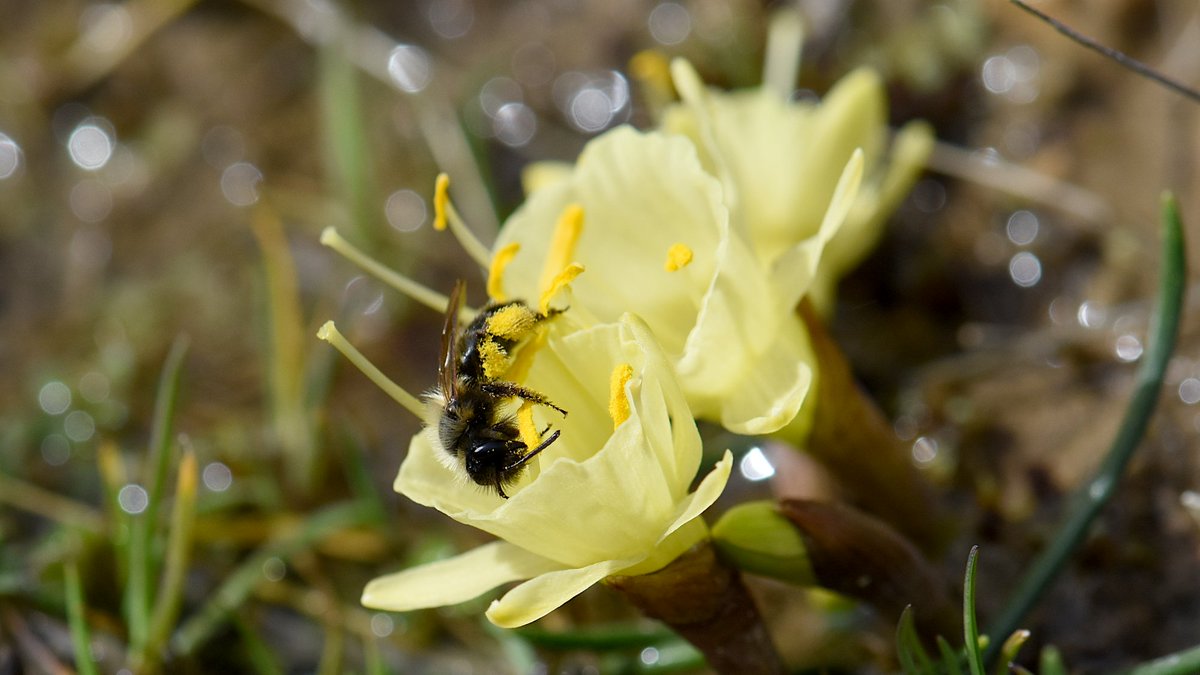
point(679, 256)
point(512, 322)
point(495, 359)
point(618, 403)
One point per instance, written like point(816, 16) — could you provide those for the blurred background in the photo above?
point(167, 166)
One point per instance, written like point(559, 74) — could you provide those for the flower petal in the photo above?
point(537, 175)
point(541, 595)
point(876, 201)
point(794, 271)
point(454, 580)
point(769, 399)
point(641, 194)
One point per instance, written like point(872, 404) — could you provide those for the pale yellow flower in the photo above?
point(779, 162)
point(610, 496)
point(658, 240)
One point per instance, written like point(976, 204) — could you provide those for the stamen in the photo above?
point(652, 70)
point(500, 261)
point(785, 43)
point(441, 197)
point(679, 256)
point(330, 334)
point(529, 433)
point(618, 403)
point(444, 211)
point(557, 284)
point(426, 296)
point(562, 245)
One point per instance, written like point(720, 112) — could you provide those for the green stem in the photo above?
point(80, 637)
point(1091, 497)
point(140, 557)
point(1179, 663)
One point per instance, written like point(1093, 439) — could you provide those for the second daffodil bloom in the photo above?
point(609, 497)
point(779, 162)
point(656, 234)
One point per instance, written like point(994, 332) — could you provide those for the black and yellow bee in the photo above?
point(475, 426)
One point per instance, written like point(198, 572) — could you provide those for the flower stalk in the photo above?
point(851, 437)
point(705, 601)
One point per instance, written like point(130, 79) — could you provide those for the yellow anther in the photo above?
point(566, 276)
point(441, 196)
point(618, 403)
point(495, 360)
point(678, 257)
point(500, 261)
point(652, 70)
point(562, 245)
point(525, 424)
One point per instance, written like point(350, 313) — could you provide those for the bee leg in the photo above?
point(533, 453)
point(513, 390)
point(500, 488)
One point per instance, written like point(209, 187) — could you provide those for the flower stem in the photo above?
point(853, 440)
point(706, 603)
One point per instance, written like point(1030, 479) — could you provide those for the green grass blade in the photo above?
point(237, 587)
point(1050, 662)
point(142, 567)
point(81, 638)
point(179, 546)
point(1008, 651)
point(1091, 497)
point(970, 627)
point(1179, 663)
point(261, 659)
point(951, 660)
point(348, 158)
point(914, 660)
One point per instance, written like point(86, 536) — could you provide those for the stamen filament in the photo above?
point(618, 403)
point(500, 261)
point(426, 296)
point(444, 211)
point(330, 334)
point(785, 43)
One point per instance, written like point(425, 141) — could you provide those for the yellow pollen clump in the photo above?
point(566, 276)
point(500, 261)
point(512, 322)
point(618, 403)
point(495, 359)
point(562, 245)
point(529, 433)
point(678, 257)
point(441, 195)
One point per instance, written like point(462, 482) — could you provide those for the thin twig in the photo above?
point(1118, 56)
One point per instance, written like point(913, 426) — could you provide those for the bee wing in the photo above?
point(448, 363)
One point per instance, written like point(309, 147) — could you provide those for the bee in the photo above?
point(474, 426)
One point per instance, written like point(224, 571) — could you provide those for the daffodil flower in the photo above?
point(658, 239)
point(779, 162)
point(609, 497)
